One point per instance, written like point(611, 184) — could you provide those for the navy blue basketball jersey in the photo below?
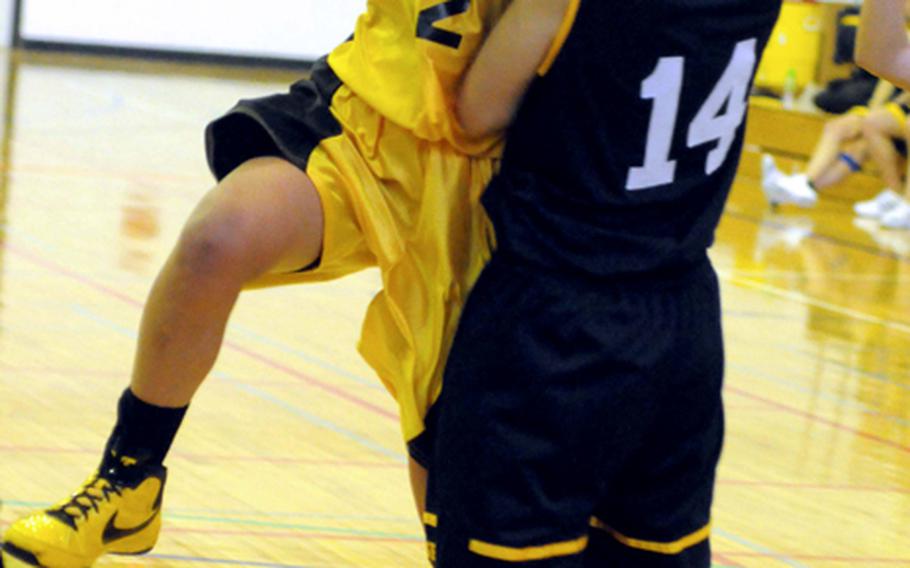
point(622, 155)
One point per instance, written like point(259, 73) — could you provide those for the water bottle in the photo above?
point(789, 95)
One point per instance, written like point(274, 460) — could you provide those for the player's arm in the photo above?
point(882, 46)
point(507, 63)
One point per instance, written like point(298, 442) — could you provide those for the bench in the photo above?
point(790, 136)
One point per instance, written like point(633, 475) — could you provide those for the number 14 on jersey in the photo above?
point(718, 119)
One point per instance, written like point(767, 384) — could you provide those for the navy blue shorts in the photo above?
point(580, 422)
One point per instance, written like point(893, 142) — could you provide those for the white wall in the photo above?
point(6, 22)
point(286, 29)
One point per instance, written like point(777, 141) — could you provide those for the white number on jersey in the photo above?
point(664, 87)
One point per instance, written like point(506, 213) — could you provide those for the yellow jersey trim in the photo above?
point(897, 112)
point(674, 547)
point(543, 552)
point(562, 35)
point(430, 519)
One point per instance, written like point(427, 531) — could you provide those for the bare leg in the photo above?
point(839, 170)
point(879, 129)
point(837, 132)
point(223, 246)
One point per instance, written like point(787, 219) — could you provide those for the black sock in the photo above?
point(143, 433)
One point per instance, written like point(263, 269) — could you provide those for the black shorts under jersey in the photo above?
point(580, 422)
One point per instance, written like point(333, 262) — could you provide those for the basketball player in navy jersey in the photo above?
point(882, 47)
point(580, 421)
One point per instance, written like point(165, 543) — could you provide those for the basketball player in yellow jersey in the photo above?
point(360, 165)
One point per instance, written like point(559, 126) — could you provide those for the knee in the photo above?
point(871, 128)
point(213, 245)
point(841, 128)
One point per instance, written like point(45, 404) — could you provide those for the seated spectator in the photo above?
point(876, 130)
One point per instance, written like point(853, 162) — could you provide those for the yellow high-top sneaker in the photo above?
point(116, 511)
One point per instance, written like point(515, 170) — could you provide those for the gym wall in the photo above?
point(294, 30)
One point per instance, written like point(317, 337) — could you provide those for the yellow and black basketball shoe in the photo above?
point(117, 511)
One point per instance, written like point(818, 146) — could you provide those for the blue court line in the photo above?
point(881, 377)
point(301, 527)
point(333, 530)
point(267, 524)
point(758, 548)
point(242, 513)
point(762, 315)
point(293, 409)
point(15, 232)
point(213, 516)
point(92, 316)
point(201, 560)
point(839, 400)
point(315, 420)
point(371, 383)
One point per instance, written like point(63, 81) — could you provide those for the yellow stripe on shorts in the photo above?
point(674, 547)
point(543, 552)
point(430, 519)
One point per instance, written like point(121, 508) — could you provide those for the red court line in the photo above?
point(66, 372)
point(815, 418)
point(107, 290)
point(12, 448)
point(151, 179)
point(898, 420)
point(813, 486)
point(853, 560)
point(296, 534)
point(103, 375)
point(724, 559)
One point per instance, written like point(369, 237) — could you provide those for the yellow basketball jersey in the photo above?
point(407, 58)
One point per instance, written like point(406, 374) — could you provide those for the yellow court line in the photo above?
point(803, 299)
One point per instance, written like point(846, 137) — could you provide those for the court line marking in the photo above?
point(257, 564)
point(316, 420)
point(194, 513)
point(372, 383)
point(801, 298)
point(812, 486)
point(210, 458)
point(794, 274)
point(854, 560)
point(265, 360)
point(822, 394)
point(814, 417)
point(736, 213)
point(757, 548)
point(259, 393)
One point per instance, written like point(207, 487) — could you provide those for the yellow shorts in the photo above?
point(391, 200)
